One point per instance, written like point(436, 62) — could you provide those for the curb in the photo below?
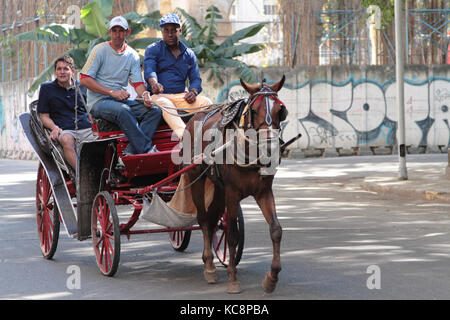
point(429, 195)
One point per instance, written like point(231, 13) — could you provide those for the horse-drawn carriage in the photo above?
point(86, 201)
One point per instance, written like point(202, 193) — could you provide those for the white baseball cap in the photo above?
point(118, 21)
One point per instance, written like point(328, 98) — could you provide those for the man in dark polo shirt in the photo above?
point(56, 107)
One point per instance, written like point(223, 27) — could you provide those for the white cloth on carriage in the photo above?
point(159, 212)
point(180, 212)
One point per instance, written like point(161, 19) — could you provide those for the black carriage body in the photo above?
point(55, 176)
point(89, 170)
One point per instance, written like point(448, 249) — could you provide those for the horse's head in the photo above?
point(266, 110)
point(261, 120)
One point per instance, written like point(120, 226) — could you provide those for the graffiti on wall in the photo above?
point(13, 102)
point(2, 116)
point(362, 112)
point(358, 111)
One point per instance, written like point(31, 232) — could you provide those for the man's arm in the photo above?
point(49, 124)
point(195, 81)
point(155, 86)
point(150, 63)
point(142, 92)
point(93, 85)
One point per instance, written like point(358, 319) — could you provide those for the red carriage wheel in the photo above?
point(47, 215)
point(220, 239)
point(105, 232)
point(180, 239)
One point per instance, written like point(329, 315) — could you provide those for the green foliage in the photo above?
point(7, 45)
point(202, 40)
point(387, 10)
point(82, 40)
point(216, 57)
point(94, 20)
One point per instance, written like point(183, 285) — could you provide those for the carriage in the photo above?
point(86, 201)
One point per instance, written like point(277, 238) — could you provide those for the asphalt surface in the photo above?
point(351, 230)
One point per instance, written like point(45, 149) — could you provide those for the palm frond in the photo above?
point(142, 43)
point(94, 20)
point(190, 27)
point(242, 34)
point(239, 50)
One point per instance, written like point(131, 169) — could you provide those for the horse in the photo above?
point(262, 112)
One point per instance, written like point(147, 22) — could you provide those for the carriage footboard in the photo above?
point(90, 166)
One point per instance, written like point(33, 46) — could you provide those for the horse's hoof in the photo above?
point(269, 283)
point(234, 287)
point(210, 276)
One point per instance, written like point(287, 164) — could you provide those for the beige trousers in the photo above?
point(177, 101)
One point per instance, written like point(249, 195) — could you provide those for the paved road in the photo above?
point(338, 240)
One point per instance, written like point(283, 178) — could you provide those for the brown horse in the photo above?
point(234, 181)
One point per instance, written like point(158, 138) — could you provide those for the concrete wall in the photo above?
point(13, 102)
point(335, 108)
point(351, 106)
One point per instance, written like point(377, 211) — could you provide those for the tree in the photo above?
point(387, 10)
point(217, 57)
point(94, 31)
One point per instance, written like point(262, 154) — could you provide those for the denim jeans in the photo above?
point(137, 121)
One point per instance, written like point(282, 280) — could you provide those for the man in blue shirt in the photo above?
point(168, 63)
point(56, 107)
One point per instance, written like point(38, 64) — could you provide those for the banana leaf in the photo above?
point(94, 20)
point(239, 50)
point(191, 28)
point(79, 57)
point(49, 33)
point(142, 43)
point(137, 21)
point(45, 75)
point(240, 68)
point(242, 34)
point(79, 36)
point(105, 5)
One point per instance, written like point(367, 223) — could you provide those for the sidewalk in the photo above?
point(427, 178)
point(425, 181)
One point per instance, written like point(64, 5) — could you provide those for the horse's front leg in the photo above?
point(198, 197)
point(232, 203)
point(208, 220)
point(266, 203)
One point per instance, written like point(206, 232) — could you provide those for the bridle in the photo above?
point(248, 115)
point(270, 97)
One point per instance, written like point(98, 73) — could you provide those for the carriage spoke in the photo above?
point(103, 258)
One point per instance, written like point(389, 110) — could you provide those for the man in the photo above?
point(56, 106)
point(168, 63)
point(106, 74)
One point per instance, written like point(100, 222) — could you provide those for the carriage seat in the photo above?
point(162, 137)
point(51, 148)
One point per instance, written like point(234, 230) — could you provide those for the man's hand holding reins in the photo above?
point(119, 94)
point(191, 96)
